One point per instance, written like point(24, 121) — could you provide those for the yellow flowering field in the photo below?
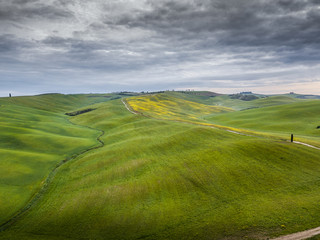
point(163, 106)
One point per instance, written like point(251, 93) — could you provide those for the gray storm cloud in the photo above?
point(93, 46)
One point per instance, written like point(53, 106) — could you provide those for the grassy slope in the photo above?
point(35, 136)
point(236, 104)
point(259, 103)
point(189, 96)
point(188, 108)
point(276, 115)
point(166, 180)
point(298, 118)
point(165, 106)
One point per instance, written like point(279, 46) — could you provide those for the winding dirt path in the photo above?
point(243, 134)
point(300, 235)
point(126, 105)
point(305, 144)
point(37, 196)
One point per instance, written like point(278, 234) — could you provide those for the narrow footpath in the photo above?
point(305, 144)
point(125, 104)
point(300, 235)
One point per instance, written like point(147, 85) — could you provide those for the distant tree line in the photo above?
point(243, 97)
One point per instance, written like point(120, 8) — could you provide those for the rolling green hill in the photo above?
point(165, 106)
point(160, 179)
point(274, 116)
point(236, 104)
point(34, 137)
point(258, 103)
point(299, 118)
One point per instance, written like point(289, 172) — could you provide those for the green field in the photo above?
point(35, 137)
point(300, 118)
point(277, 116)
point(167, 107)
point(157, 176)
point(235, 104)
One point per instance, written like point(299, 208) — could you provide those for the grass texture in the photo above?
point(156, 179)
point(35, 137)
point(236, 104)
point(165, 106)
point(299, 118)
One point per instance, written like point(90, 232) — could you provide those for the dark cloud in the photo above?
point(175, 42)
point(25, 9)
point(237, 22)
point(11, 46)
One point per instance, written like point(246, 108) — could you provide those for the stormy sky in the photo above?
point(78, 46)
